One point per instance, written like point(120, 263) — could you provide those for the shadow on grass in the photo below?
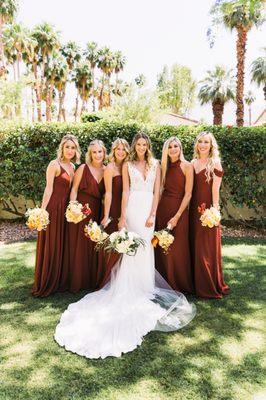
point(189, 364)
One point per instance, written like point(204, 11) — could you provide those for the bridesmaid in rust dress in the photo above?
point(88, 187)
point(206, 242)
point(177, 183)
point(50, 243)
point(112, 205)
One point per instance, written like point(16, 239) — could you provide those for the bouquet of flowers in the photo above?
point(163, 238)
point(210, 217)
point(124, 242)
point(95, 232)
point(76, 212)
point(38, 218)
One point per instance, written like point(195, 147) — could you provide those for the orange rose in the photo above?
point(154, 241)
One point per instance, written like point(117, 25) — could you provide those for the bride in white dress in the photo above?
point(136, 300)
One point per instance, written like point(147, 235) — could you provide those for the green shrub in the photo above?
point(25, 152)
point(86, 117)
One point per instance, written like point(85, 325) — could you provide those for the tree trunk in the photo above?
point(241, 50)
point(38, 93)
point(2, 56)
point(249, 115)
point(61, 111)
point(76, 108)
point(49, 97)
point(218, 110)
point(18, 69)
point(93, 89)
point(32, 105)
point(14, 72)
point(264, 91)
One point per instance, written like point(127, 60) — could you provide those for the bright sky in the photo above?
point(150, 33)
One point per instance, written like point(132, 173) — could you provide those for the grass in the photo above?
point(219, 356)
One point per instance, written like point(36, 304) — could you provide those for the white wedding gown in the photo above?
point(135, 301)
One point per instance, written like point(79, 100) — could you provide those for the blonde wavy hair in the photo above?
point(60, 151)
point(214, 154)
point(88, 156)
point(165, 160)
point(115, 144)
point(148, 155)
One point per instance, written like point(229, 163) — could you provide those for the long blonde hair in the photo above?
point(88, 156)
point(115, 144)
point(60, 151)
point(148, 155)
point(165, 157)
point(214, 154)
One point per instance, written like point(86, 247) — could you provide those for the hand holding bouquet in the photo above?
point(95, 232)
point(210, 217)
point(124, 242)
point(76, 212)
point(38, 218)
point(163, 238)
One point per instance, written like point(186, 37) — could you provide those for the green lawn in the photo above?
point(218, 356)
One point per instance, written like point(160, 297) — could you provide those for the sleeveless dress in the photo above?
point(106, 261)
point(80, 256)
point(114, 319)
point(205, 243)
point(50, 243)
point(174, 266)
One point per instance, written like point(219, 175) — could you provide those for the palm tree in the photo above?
point(119, 64)
point(83, 82)
point(258, 72)
point(48, 42)
point(92, 55)
point(240, 15)
point(249, 99)
point(8, 10)
point(10, 54)
point(61, 77)
point(217, 88)
point(16, 38)
point(31, 59)
point(71, 52)
point(107, 64)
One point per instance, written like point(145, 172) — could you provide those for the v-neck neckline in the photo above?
point(64, 169)
point(98, 183)
point(143, 178)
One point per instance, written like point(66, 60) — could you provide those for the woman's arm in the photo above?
point(125, 195)
point(76, 182)
point(51, 171)
point(108, 181)
point(189, 174)
point(216, 184)
point(156, 196)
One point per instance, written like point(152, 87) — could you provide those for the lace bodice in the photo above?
point(137, 181)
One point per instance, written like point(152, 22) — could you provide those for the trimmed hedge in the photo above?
point(25, 152)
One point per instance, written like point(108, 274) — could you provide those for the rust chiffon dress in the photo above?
point(174, 266)
point(106, 261)
point(50, 243)
point(205, 243)
point(80, 257)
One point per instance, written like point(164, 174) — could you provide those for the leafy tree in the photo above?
point(176, 89)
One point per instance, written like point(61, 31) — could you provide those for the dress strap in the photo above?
point(217, 172)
